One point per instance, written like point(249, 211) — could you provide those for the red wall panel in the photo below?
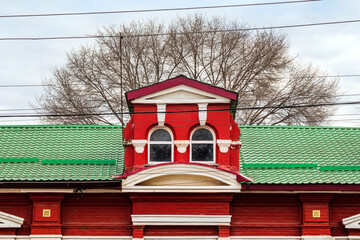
point(266, 214)
point(97, 214)
point(343, 206)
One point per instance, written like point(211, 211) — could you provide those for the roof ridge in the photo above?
point(300, 127)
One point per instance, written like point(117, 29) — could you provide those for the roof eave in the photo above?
point(300, 187)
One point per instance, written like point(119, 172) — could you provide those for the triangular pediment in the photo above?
point(181, 94)
point(10, 221)
point(352, 222)
point(181, 178)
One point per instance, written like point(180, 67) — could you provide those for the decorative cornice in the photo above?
point(224, 145)
point(139, 145)
point(181, 145)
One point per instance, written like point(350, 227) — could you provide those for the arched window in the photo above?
point(160, 145)
point(202, 145)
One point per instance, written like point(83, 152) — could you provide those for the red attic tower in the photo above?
point(182, 120)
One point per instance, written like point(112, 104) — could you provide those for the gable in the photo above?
point(181, 94)
point(181, 80)
point(352, 222)
point(10, 221)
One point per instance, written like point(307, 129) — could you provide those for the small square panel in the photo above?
point(46, 213)
point(316, 213)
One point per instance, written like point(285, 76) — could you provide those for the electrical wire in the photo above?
point(212, 120)
point(153, 10)
point(78, 84)
point(179, 33)
point(184, 111)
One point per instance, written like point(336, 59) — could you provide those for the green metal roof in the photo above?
point(269, 154)
point(300, 155)
point(60, 153)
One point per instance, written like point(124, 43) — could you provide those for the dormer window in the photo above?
point(202, 147)
point(160, 145)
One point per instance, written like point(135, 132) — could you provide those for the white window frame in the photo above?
point(160, 142)
point(204, 142)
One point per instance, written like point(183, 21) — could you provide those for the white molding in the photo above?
point(22, 237)
point(42, 190)
point(265, 237)
point(181, 145)
point(181, 220)
point(317, 238)
point(45, 237)
point(7, 237)
point(139, 145)
point(161, 109)
point(10, 221)
point(188, 173)
point(97, 237)
point(180, 237)
point(352, 222)
point(202, 113)
point(224, 145)
point(354, 237)
point(181, 94)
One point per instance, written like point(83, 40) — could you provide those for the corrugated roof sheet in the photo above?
point(300, 155)
point(269, 154)
point(56, 153)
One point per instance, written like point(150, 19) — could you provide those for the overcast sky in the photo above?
point(333, 48)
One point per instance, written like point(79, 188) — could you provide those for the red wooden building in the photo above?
point(179, 170)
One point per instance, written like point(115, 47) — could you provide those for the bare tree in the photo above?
point(254, 63)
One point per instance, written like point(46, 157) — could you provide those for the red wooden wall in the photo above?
point(110, 214)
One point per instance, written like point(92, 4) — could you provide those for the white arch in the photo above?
point(181, 177)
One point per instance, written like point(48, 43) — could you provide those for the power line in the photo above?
point(153, 10)
point(179, 33)
point(78, 84)
point(34, 109)
point(184, 111)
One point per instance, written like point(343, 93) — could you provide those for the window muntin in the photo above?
point(202, 145)
point(160, 146)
